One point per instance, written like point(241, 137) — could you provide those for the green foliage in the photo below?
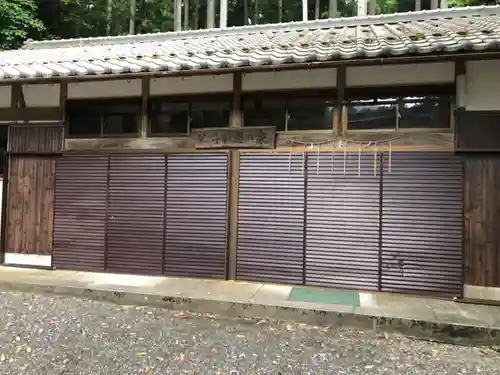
point(18, 21)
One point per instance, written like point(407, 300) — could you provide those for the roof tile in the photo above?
point(440, 31)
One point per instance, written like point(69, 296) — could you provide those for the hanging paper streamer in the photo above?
point(359, 160)
point(317, 162)
point(333, 160)
point(345, 157)
point(339, 143)
point(390, 156)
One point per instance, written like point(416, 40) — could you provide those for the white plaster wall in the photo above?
point(105, 89)
point(5, 92)
point(482, 91)
point(404, 74)
point(198, 84)
point(289, 79)
point(41, 95)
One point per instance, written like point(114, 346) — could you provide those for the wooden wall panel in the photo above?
point(477, 131)
point(482, 220)
point(30, 205)
point(33, 138)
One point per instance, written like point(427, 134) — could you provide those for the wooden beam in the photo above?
point(145, 89)
point(30, 114)
point(237, 110)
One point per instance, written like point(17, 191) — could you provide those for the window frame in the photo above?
point(288, 95)
point(189, 100)
point(100, 103)
point(399, 93)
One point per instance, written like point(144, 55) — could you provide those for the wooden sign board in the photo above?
point(258, 137)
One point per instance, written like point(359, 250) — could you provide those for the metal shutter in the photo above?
point(343, 220)
point(136, 213)
point(196, 214)
point(271, 217)
point(422, 224)
point(80, 212)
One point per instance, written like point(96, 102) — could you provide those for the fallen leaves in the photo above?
point(179, 358)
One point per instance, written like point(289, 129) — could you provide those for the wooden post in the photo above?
point(339, 109)
point(63, 95)
point(144, 107)
point(460, 83)
point(17, 96)
point(236, 111)
point(232, 230)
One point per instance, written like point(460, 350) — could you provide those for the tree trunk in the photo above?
point(131, 24)
point(418, 5)
point(316, 9)
point(177, 15)
point(109, 16)
point(372, 7)
point(210, 14)
point(305, 9)
point(196, 21)
point(256, 12)
point(332, 9)
point(223, 14)
point(142, 9)
point(434, 4)
point(245, 12)
point(280, 10)
point(362, 8)
point(186, 14)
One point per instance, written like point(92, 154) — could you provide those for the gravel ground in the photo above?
point(61, 335)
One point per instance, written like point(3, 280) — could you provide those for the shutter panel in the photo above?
point(422, 224)
point(271, 218)
point(196, 221)
point(136, 213)
point(80, 212)
point(343, 220)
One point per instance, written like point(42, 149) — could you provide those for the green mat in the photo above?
point(336, 297)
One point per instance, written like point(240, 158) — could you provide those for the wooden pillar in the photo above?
point(144, 107)
point(236, 111)
point(460, 84)
point(234, 180)
point(339, 109)
point(63, 96)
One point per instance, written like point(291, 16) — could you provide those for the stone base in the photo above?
point(477, 292)
point(35, 260)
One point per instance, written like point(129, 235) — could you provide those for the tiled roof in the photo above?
point(414, 33)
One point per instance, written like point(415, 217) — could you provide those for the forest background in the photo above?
point(60, 19)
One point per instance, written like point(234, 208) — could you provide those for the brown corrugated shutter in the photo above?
point(80, 212)
point(271, 217)
point(422, 223)
point(343, 220)
point(196, 214)
point(136, 213)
